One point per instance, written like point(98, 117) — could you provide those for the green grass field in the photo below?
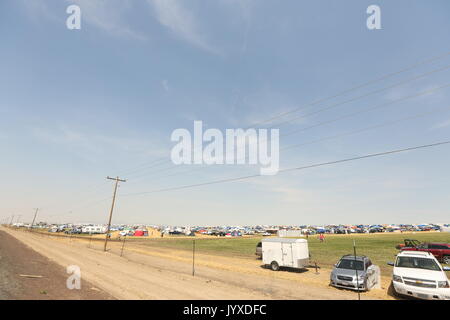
point(379, 247)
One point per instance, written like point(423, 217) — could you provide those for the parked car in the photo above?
point(354, 272)
point(218, 233)
point(440, 250)
point(259, 250)
point(73, 231)
point(418, 274)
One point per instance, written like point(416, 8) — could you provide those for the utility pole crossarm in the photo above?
point(116, 179)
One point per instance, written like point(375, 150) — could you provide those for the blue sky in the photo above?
point(78, 105)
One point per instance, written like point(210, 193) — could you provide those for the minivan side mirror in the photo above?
point(390, 264)
point(446, 268)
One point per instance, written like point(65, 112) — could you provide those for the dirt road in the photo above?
point(17, 259)
point(143, 276)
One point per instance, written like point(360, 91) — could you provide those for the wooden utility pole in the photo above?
point(112, 206)
point(35, 214)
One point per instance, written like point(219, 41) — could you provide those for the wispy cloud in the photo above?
point(260, 107)
point(441, 125)
point(103, 14)
point(165, 85)
point(38, 9)
point(108, 16)
point(92, 147)
point(181, 22)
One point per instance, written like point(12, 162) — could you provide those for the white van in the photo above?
point(285, 252)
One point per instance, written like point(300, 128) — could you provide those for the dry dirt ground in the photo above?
point(17, 259)
point(144, 273)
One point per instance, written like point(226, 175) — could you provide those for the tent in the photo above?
point(141, 233)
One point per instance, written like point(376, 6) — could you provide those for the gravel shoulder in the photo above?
point(17, 259)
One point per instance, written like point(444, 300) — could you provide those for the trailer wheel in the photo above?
point(274, 266)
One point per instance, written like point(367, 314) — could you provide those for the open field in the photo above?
point(232, 261)
point(380, 247)
point(160, 273)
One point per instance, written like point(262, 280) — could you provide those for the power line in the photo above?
point(353, 99)
point(366, 110)
point(294, 168)
point(145, 166)
point(163, 160)
point(343, 134)
point(386, 76)
point(341, 118)
point(384, 124)
point(364, 95)
point(88, 205)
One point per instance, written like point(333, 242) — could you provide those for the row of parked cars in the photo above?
point(417, 271)
point(415, 274)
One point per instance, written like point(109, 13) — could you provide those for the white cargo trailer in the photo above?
point(284, 252)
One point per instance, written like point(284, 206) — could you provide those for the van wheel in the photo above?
point(446, 259)
point(274, 266)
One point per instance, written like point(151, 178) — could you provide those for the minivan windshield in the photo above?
point(417, 263)
point(351, 264)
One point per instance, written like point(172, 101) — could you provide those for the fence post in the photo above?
point(123, 245)
point(193, 257)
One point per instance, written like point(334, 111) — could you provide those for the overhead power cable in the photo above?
point(370, 82)
point(389, 103)
point(372, 155)
point(161, 161)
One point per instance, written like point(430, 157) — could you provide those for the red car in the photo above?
point(440, 250)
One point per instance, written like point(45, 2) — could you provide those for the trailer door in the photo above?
point(288, 259)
